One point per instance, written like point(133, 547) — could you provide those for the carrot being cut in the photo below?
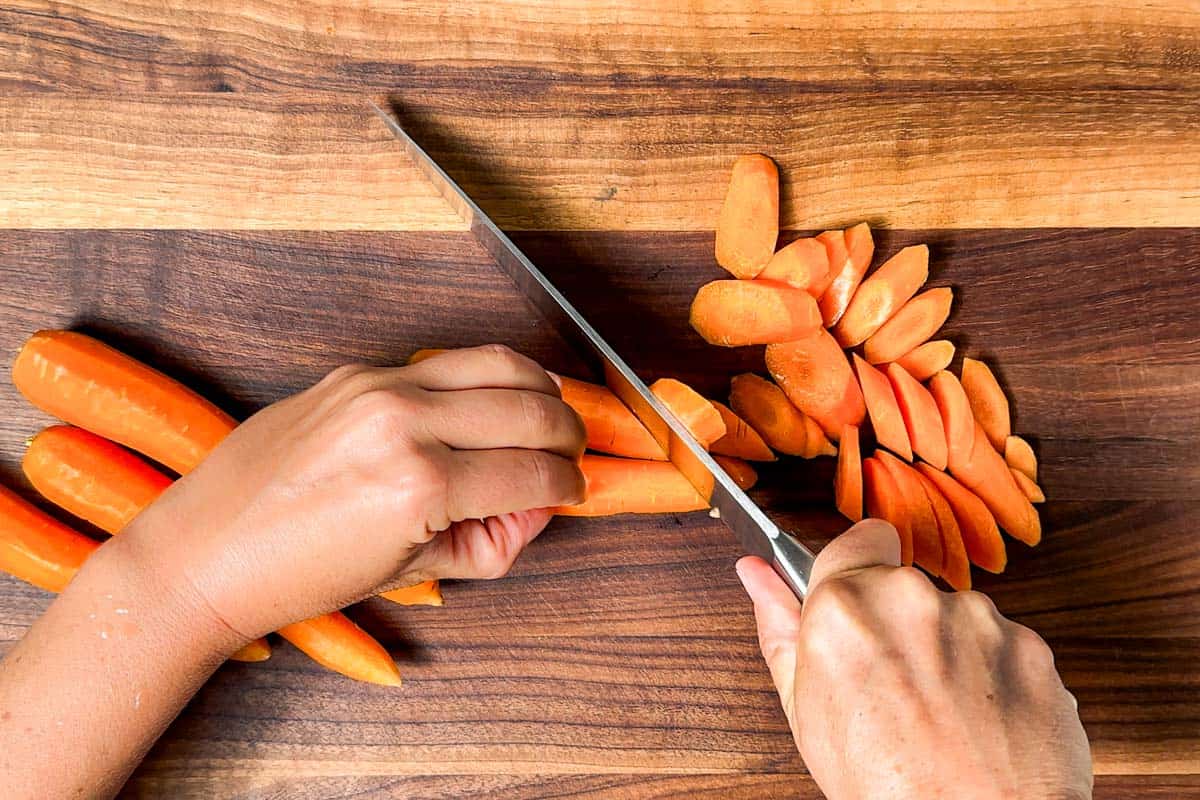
point(91, 385)
point(926, 538)
point(1019, 455)
point(629, 486)
point(816, 443)
point(986, 474)
point(689, 407)
point(958, 422)
point(336, 643)
point(735, 313)
point(858, 247)
point(749, 222)
point(1030, 489)
point(912, 325)
point(981, 538)
point(882, 294)
point(803, 264)
point(956, 567)
point(848, 480)
point(740, 440)
point(611, 426)
point(988, 403)
point(926, 360)
point(424, 354)
point(425, 593)
point(884, 501)
point(816, 376)
point(921, 417)
point(890, 431)
point(742, 473)
point(767, 410)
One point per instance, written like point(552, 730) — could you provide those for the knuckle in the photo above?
point(916, 593)
point(382, 411)
point(502, 355)
point(1031, 646)
point(341, 375)
point(835, 606)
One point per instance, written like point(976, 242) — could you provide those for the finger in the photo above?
point(480, 549)
point(484, 419)
point(777, 615)
point(870, 543)
point(491, 366)
point(485, 483)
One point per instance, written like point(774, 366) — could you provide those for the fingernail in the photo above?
point(557, 380)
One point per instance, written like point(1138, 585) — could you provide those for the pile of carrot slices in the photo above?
point(853, 361)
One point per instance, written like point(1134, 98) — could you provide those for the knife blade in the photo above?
point(754, 529)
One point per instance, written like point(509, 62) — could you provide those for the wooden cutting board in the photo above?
point(205, 186)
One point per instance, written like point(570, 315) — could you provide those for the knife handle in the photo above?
point(793, 561)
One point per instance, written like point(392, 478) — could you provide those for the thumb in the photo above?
point(777, 614)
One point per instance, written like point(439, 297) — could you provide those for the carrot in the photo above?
point(749, 222)
point(425, 593)
point(740, 440)
point(803, 264)
point(956, 568)
point(848, 480)
point(836, 253)
point(816, 443)
point(697, 414)
point(816, 376)
point(883, 409)
point(909, 327)
point(980, 535)
point(957, 420)
point(986, 474)
point(736, 313)
point(1019, 455)
point(884, 501)
point(767, 410)
point(425, 353)
point(611, 426)
point(858, 247)
point(927, 539)
point(921, 416)
point(336, 643)
point(91, 385)
point(630, 486)
point(1030, 489)
point(988, 403)
point(742, 473)
point(926, 360)
point(883, 293)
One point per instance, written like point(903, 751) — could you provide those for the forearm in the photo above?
point(100, 676)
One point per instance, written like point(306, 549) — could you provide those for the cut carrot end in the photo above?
point(1030, 489)
point(737, 313)
point(767, 410)
point(988, 403)
point(848, 480)
point(748, 225)
point(258, 650)
point(742, 473)
point(803, 264)
point(740, 439)
point(689, 407)
point(1019, 455)
point(426, 593)
point(336, 643)
point(926, 360)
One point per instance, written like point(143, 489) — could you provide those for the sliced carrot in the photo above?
point(742, 473)
point(927, 539)
point(980, 536)
point(956, 568)
point(736, 313)
point(1030, 489)
point(890, 431)
point(91, 385)
point(884, 501)
point(848, 480)
point(988, 403)
point(921, 417)
point(1019, 455)
point(882, 294)
point(258, 650)
point(425, 593)
point(836, 254)
point(816, 376)
point(425, 353)
point(740, 440)
point(986, 474)
point(858, 247)
point(749, 222)
point(767, 410)
point(816, 442)
point(696, 413)
point(803, 264)
point(611, 426)
point(631, 486)
point(335, 642)
point(926, 360)
point(912, 325)
point(957, 420)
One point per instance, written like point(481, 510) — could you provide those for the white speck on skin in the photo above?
point(103, 634)
point(122, 611)
point(92, 616)
point(58, 723)
point(108, 597)
point(137, 700)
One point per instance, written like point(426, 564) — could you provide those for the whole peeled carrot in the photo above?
point(631, 486)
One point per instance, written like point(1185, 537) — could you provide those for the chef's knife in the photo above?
point(756, 532)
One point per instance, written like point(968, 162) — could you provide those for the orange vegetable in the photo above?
point(740, 440)
point(986, 474)
point(1019, 455)
point(926, 360)
point(882, 294)
point(816, 376)
point(630, 486)
point(848, 480)
point(336, 643)
point(91, 385)
point(890, 431)
point(611, 426)
point(425, 593)
point(921, 417)
point(766, 408)
point(1030, 489)
point(884, 501)
point(926, 538)
point(742, 473)
point(749, 222)
point(980, 535)
point(735, 313)
point(428, 352)
point(858, 247)
point(988, 403)
point(956, 568)
point(697, 414)
point(803, 264)
point(816, 443)
point(912, 325)
point(836, 254)
point(958, 422)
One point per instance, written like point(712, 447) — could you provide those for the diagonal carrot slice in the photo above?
point(986, 474)
point(1019, 455)
point(912, 325)
point(749, 222)
point(816, 376)
point(981, 537)
point(767, 410)
point(1030, 489)
point(957, 420)
point(737, 313)
point(858, 247)
point(848, 480)
point(696, 413)
point(988, 403)
point(803, 264)
point(884, 501)
point(956, 568)
point(921, 417)
point(883, 409)
point(927, 539)
point(882, 294)
point(425, 593)
point(742, 473)
point(740, 440)
point(611, 426)
point(926, 360)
